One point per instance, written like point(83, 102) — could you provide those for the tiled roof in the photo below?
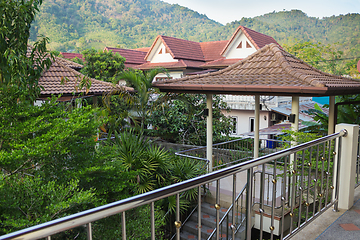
point(268, 71)
point(171, 65)
point(133, 57)
point(180, 48)
point(221, 63)
point(274, 129)
point(69, 63)
point(143, 49)
point(212, 50)
point(303, 106)
point(71, 55)
point(259, 40)
point(52, 77)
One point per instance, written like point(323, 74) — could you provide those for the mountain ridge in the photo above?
point(75, 25)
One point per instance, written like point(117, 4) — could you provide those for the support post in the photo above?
point(209, 132)
point(331, 121)
point(257, 126)
point(347, 169)
point(295, 110)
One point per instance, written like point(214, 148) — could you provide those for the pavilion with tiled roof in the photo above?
point(269, 71)
point(61, 79)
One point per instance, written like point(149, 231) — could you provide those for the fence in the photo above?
point(232, 152)
point(309, 187)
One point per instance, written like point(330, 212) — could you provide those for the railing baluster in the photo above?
point(272, 227)
point(292, 189)
point(309, 186)
point(337, 176)
point(152, 212)
point(89, 231)
point(249, 203)
point(321, 194)
point(48, 238)
point(301, 188)
point(283, 196)
point(177, 222)
point(233, 224)
point(199, 212)
point(217, 207)
point(316, 180)
point(123, 225)
point(262, 189)
point(328, 173)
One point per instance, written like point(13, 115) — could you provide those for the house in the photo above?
point(62, 78)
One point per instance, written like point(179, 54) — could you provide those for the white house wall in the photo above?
point(243, 119)
point(157, 57)
point(234, 52)
point(172, 75)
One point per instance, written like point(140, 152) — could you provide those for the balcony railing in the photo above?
point(232, 152)
point(306, 175)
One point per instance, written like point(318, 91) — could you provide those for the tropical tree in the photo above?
point(103, 65)
point(180, 118)
point(144, 95)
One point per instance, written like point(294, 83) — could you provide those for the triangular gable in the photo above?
point(164, 47)
point(160, 52)
point(244, 42)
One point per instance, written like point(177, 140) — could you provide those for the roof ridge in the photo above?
point(279, 53)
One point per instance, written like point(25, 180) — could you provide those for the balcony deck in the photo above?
point(330, 224)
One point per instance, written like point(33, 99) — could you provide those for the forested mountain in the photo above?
point(74, 25)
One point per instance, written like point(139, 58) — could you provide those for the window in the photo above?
point(167, 50)
point(248, 45)
point(252, 124)
point(160, 51)
point(240, 45)
point(234, 125)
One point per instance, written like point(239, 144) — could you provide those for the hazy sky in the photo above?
point(225, 11)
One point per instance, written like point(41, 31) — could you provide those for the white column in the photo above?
point(209, 131)
point(257, 126)
point(295, 110)
point(331, 121)
point(348, 155)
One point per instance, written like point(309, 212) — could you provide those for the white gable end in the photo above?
point(160, 54)
point(240, 47)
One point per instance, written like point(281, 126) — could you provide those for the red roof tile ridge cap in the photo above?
point(68, 61)
point(201, 43)
point(241, 62)
point(133, 50)
point(305, 78)
point(285, 65)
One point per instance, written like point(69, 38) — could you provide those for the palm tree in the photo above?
point(142, 84)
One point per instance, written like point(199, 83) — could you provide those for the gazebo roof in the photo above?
point(269, 71)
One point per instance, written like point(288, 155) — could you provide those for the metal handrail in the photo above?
point(228, 211)
point(91, 215)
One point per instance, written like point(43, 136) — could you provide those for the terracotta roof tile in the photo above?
point(259, 40)
point(71, 55)
point(171, 65)
point(69, 63)
point(212, 50)
point(52, 77)
point(268, 71)
point(133, 57)
point(144, 49)
point(180, 48)
point(220, 63)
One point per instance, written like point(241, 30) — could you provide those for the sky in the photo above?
point(226, 11)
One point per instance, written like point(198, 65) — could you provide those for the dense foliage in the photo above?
point(103, 65)
point(51, 163)
point(180, 118)
point(77, 25)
